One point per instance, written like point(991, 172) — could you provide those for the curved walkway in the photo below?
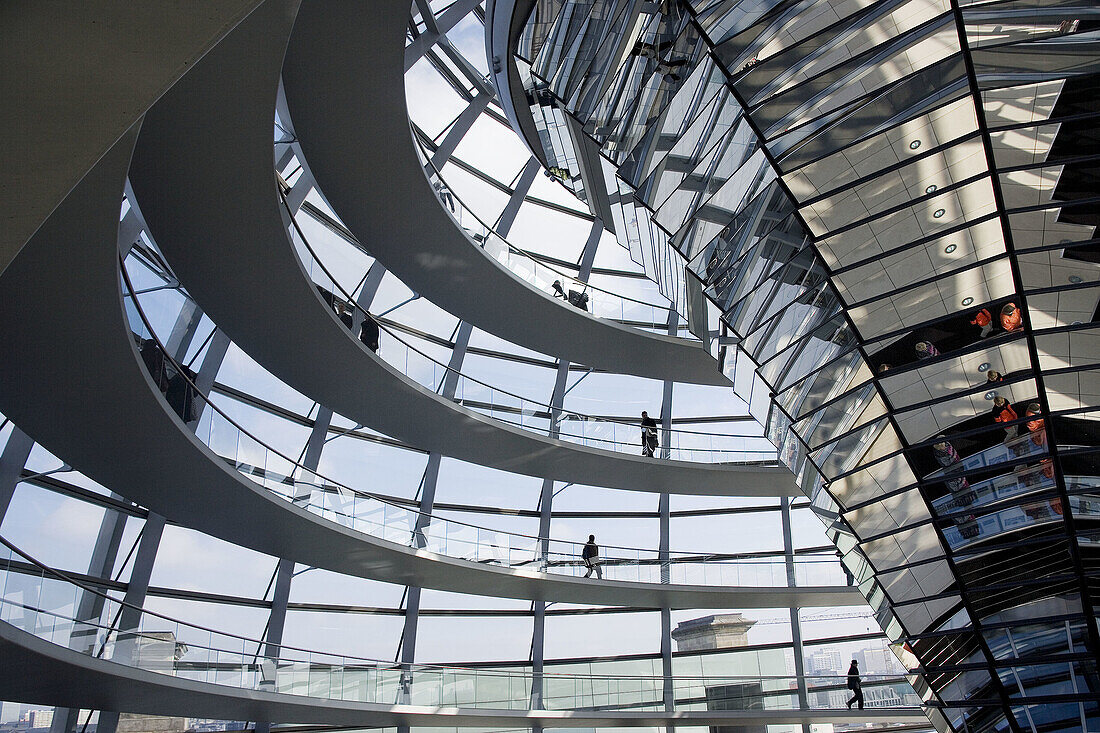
point(79, 361)
point(103, 69)
point(38, 671)
point(345, 88)
point(469, 558)
point(202, 172)
point(139, 669)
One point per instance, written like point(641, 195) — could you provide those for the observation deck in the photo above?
point(230, 246)
point(169, 667)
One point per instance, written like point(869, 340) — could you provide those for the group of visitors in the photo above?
point(1010, 319)
point(575, 298)
point(368, 330)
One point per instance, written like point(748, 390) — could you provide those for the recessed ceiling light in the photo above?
point(930, 189)
point(1075, 279)
point(950, 248)
point(914, 145)
point(967, 301)
point(990, 395)
point(984, 366)
point(938, 213)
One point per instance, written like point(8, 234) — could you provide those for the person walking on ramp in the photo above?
point(590, 555)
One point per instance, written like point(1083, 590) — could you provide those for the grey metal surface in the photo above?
point(103, 69)
point(229, 246)
point(37, 671)
point(345, 90)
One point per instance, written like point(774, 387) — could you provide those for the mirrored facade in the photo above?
point(887, 201)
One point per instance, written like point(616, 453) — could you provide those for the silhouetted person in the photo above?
point(855, 685)
point(343, 313)
point(558, 291)
point(649, 435)
point(368, 334)
point(578, 300)
point(590, 555)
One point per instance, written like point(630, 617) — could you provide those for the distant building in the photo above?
point(825, 661)
point(723, 631)
point(720, 631)
point(158, 651)
point(40, 718)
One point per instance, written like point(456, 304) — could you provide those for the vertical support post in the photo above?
point(284, 571)
point(515, 201)
point(427, 506)
point(153, 530)
point(664, 509)
point(546, 504)
point(458, 131)
point(796, 624)
point(12, 460)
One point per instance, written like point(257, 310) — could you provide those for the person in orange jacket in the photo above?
point(1035, 424)
point(1003, 413)
point(983, 319)
point(1011, 318)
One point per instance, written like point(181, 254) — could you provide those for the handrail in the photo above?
point(281, 649)
point(426, 159)
point(351, 302)
point(423, 523)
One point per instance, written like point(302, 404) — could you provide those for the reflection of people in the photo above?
point(983, 319)
point(883, 368)
point(993, 376)
point(649, 435)
point(855, 685)
point(926, 350)
point(947, 456)
point(558, 291)
point(590, 555)
point(1036, 426)
point(1011, 318)
point(1004, 414)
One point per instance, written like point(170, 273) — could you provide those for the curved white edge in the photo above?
point(345, 89)
point(80, 388)
point(37, 671)
point(503, 27)
point(203, 176)
point(76, 77)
